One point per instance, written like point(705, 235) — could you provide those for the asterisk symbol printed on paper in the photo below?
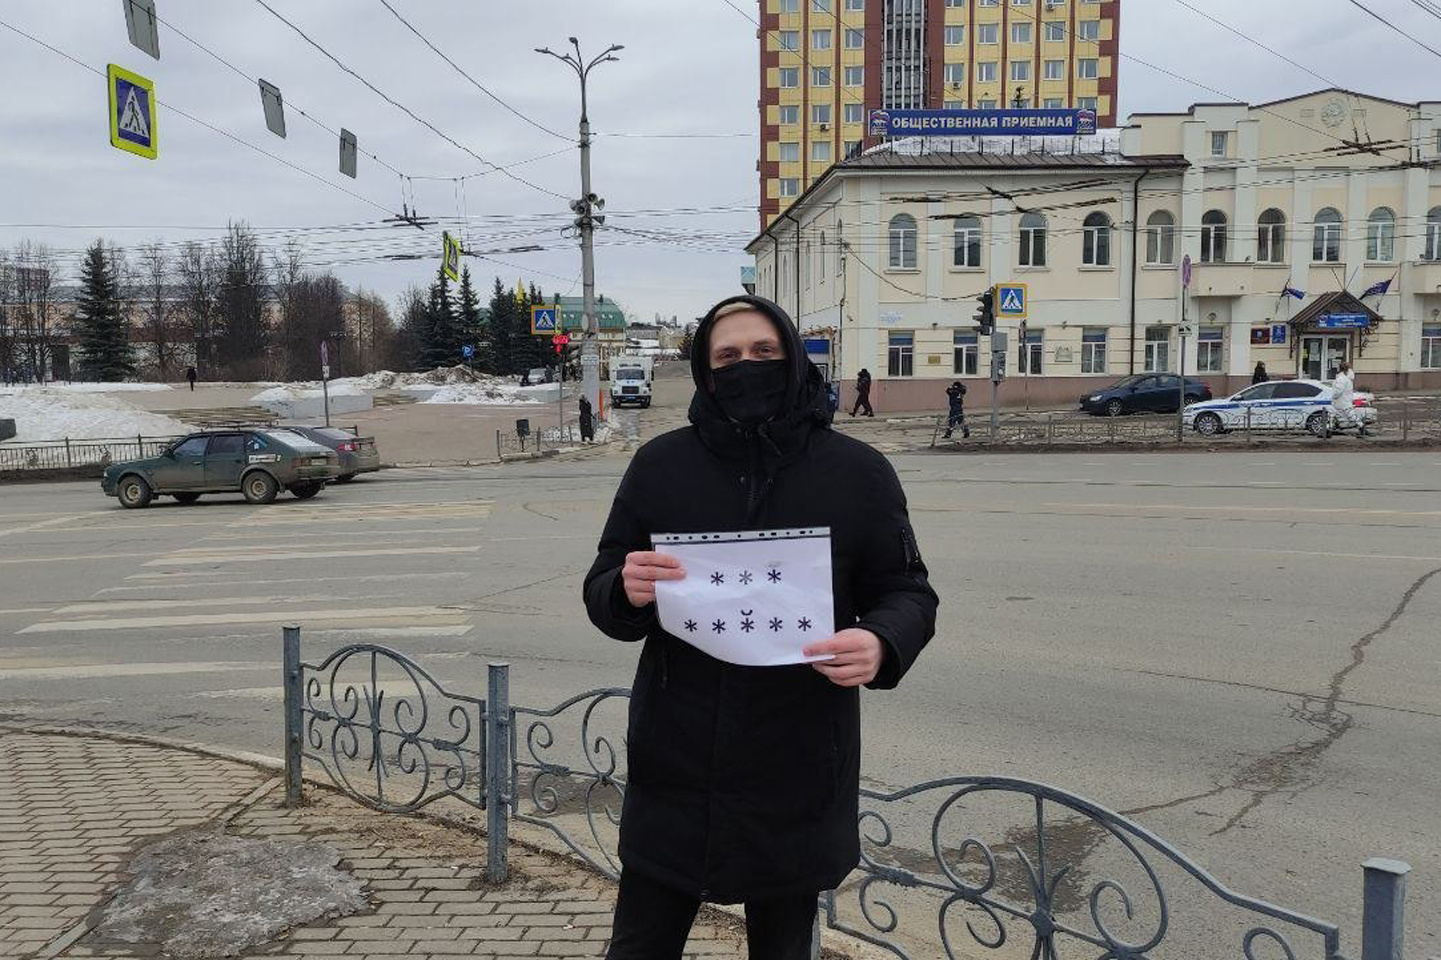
point(775, 576)
point(717, 578)
point(804, 624)
point(776, 624)
point(748, 625)
point(719, 626)
point(746, 577)
point(690, 626)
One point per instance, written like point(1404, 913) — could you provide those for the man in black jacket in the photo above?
point(743, 781)
point(863, 394)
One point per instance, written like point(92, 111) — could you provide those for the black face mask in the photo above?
point(751, 391)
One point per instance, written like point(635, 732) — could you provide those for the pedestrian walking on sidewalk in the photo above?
point(1343, 401)
point(743, 782)
point(587, 420)
point(1259, 375)
point(863, 393)
point(190, 375)
point(956, 398)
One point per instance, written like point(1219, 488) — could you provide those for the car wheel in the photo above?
point(304, 491)
point(1192, 398)
point(645, 404)
point(134, 492)
point(1115, 408)
point(259, 487)
point(187, 497)
point(1209, 424)
point(344, 478)
point(1316, 423)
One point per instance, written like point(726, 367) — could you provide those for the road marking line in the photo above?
point(26, 610)
point(1179, 506)
point(242, 693)
point(425, 531)
point(289, 581)
point(96, 670)
point(1318, 553)
point(456, 630)
point(260, 616)
point(42, 524)
point(174, 561)
point(105, 606)
point(245, 550)
point(91, 556)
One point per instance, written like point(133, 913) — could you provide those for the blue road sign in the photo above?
point(1278, 333)
point(1011, 300)
point(544, 320)
point(132, 112)
point(467, 351)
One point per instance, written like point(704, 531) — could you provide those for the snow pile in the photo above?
point(479, 393)
point(286, 393)
point(45, 413)
point(93, 388)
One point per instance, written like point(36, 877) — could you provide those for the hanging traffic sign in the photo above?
point(132, 112)
point(140, 25)
point(544, 320)
point(450, 252)
point(1011, 301)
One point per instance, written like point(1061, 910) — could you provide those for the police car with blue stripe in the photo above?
point(1280, 405)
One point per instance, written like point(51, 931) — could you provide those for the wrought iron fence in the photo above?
point(57, 454)
point(537, 441)
point(390, 736)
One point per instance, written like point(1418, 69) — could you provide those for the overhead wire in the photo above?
point(1409, 36)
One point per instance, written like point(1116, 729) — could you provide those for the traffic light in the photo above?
point(986, 316)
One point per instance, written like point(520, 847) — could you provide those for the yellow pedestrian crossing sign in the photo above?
point(1011, 300)
point(450, 254)
point(132, 112)
point(544, 320)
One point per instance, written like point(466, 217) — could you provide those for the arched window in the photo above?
point(1033, 240)
point(1160, 238)
point(1213, 237)
point(1096, 240)
point(1381, 236)
point(1433, 234)
point(1271, 237)
point(1326, 237)
point(967, 246)
point(903, 242)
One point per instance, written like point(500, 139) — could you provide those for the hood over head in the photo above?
point(805, 395)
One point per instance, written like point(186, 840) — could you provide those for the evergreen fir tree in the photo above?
point(104, 342)
point(503, 316)
point(442, 331)
point(468, 318)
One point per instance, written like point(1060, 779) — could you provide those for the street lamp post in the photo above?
point(587, 209)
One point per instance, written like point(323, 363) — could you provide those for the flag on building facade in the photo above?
point(1377, 289)
point(1290, 291)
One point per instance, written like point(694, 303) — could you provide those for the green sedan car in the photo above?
point(256, 463)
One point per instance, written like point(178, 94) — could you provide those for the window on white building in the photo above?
point(1053, 103)
point(790, 152)
point(1431, 346)
point(790, 187)
point(855, 76)
point(789, 76)
point(966, 251)
point(1020, 33)
point(1096, 240)
point(1088, 68)
point(1433, 235)
point(1093, 350)
point(789, 39)
point(1161, 238)
point(820, 76)
point(1218, 143)
point(955, 35)
point(789, 113)
point(1088, 30)
point(821, 151)
point(1271, 237)
point(1055, 69)
point(1158, 350)
point(966, 359)
point(820, 39)
point(988, 33)
point(821, 258)
point(1087, 103)
point(902, 237)
point(1210, 345)
point(820, 113)
point(855, 113)
point(1213, 237)
point(1031, 355)
point(1020, 69)
point(900, 353)
point(1326, 237)
point(1381, 236)
point(955, 73)
point(986, 72)
point(855, 39)
point(1055, 30)
point(1033, 240)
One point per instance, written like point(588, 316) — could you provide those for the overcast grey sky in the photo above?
point(689, 69)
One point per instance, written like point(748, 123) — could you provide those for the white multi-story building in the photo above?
point(1329, 195)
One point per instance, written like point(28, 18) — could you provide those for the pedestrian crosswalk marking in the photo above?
point(1012, 302)
point(432, 615)
point(176, 561)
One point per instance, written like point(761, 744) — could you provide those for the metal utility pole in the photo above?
point(586, 209)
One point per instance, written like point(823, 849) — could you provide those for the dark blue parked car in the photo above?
point(1143, 393)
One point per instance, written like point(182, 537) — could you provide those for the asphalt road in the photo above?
point(1240, 651)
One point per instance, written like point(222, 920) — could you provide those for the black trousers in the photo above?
point(863, 400)
point(652, 922)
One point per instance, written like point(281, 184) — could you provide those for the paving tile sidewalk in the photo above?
point(74, 809)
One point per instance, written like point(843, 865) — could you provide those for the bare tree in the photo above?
point(198, 272)
point(314, 312)
point(244, 290)
point(8, 340)
point(36, 323)
point(286, 273)
point(373, 332)
point(153, 285)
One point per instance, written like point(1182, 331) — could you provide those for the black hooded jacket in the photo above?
point(742, 781)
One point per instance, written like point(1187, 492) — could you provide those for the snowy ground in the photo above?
point(91, 388)
point(48, 413)
point(441, 385)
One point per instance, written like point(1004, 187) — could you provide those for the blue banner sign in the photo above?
point(1343, 321)
point(982, 123)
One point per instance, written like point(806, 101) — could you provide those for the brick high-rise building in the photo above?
point(825, 63)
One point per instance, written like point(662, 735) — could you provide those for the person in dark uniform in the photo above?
point(743, 782)
point(956, 415)
point(863, 393)
point(190, 375)
point(587, 420)
point(1259, 375)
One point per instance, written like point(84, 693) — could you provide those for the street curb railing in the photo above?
point(390, 736)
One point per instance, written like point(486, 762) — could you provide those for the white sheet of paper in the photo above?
point(754, 598)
